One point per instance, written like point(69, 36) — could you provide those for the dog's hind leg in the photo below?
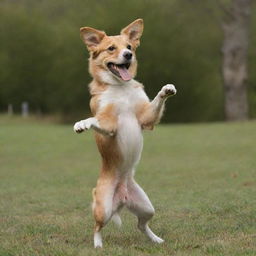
point(102, 207)
point(139, 204)
point(116, 219)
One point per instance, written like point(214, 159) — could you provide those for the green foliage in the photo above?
point(44, 61)
point(203, 193)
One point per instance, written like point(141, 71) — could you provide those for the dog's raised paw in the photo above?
point(168, 90)
point(81, 126)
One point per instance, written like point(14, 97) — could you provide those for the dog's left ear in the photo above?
point(134, 31)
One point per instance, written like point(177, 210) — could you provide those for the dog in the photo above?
point(121, 110)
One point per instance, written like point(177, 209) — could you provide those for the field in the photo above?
point(201, 178)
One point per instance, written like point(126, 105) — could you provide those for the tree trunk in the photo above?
point(234, 66)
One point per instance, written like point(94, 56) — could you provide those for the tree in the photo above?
point(234, 63)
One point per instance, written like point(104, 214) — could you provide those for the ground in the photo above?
point(201, 178)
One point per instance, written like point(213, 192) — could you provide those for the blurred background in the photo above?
point(206, 48)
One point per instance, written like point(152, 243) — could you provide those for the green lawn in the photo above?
point(201, 178)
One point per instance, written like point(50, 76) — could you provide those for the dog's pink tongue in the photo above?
point(124, 73)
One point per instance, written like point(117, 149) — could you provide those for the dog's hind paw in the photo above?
point(97, 240)
point(117, 220)
point(157, 240)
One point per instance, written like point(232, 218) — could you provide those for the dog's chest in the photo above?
point(125, 98)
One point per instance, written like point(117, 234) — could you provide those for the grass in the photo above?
point(200, 178)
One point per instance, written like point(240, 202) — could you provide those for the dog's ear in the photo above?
point(91, 37)
point(134, 31)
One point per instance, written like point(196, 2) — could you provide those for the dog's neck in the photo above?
point(97, 86)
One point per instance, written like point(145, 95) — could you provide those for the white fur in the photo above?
point(125, 97)
point(108, 77)
point(130, 142)
point(167, 90)
point(97, 240)
point(88, 123)
point(116, 219)
point(141, 206)
point(126, 94)
point(121, 59)
point(108, 205)
point(153, 237)
point(85, 124)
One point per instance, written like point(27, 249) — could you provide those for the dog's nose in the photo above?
point(128, 55)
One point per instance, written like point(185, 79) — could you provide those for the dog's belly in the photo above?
point(130, 141)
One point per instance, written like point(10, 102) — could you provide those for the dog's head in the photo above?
point(112, 58)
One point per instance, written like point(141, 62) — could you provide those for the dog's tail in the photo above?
point(116, 219)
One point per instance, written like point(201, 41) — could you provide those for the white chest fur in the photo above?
point(125, 97)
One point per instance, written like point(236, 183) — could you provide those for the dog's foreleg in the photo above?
point(93, 123)
point(154, 110)
point(157, 105)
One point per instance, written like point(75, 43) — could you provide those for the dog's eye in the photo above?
point(129, 47)
point(111, 48)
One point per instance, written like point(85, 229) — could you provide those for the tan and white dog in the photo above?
point(121, 110)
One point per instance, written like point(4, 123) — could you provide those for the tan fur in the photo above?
point(110, 153)
point(100, 55)
point(146, 117)
point(108, 118)
point(107, 146)
point(104, 184)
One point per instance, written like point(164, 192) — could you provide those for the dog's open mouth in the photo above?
point(120, 70)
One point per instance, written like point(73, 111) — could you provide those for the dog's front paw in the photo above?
point(82, 125)
point(167, 90)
